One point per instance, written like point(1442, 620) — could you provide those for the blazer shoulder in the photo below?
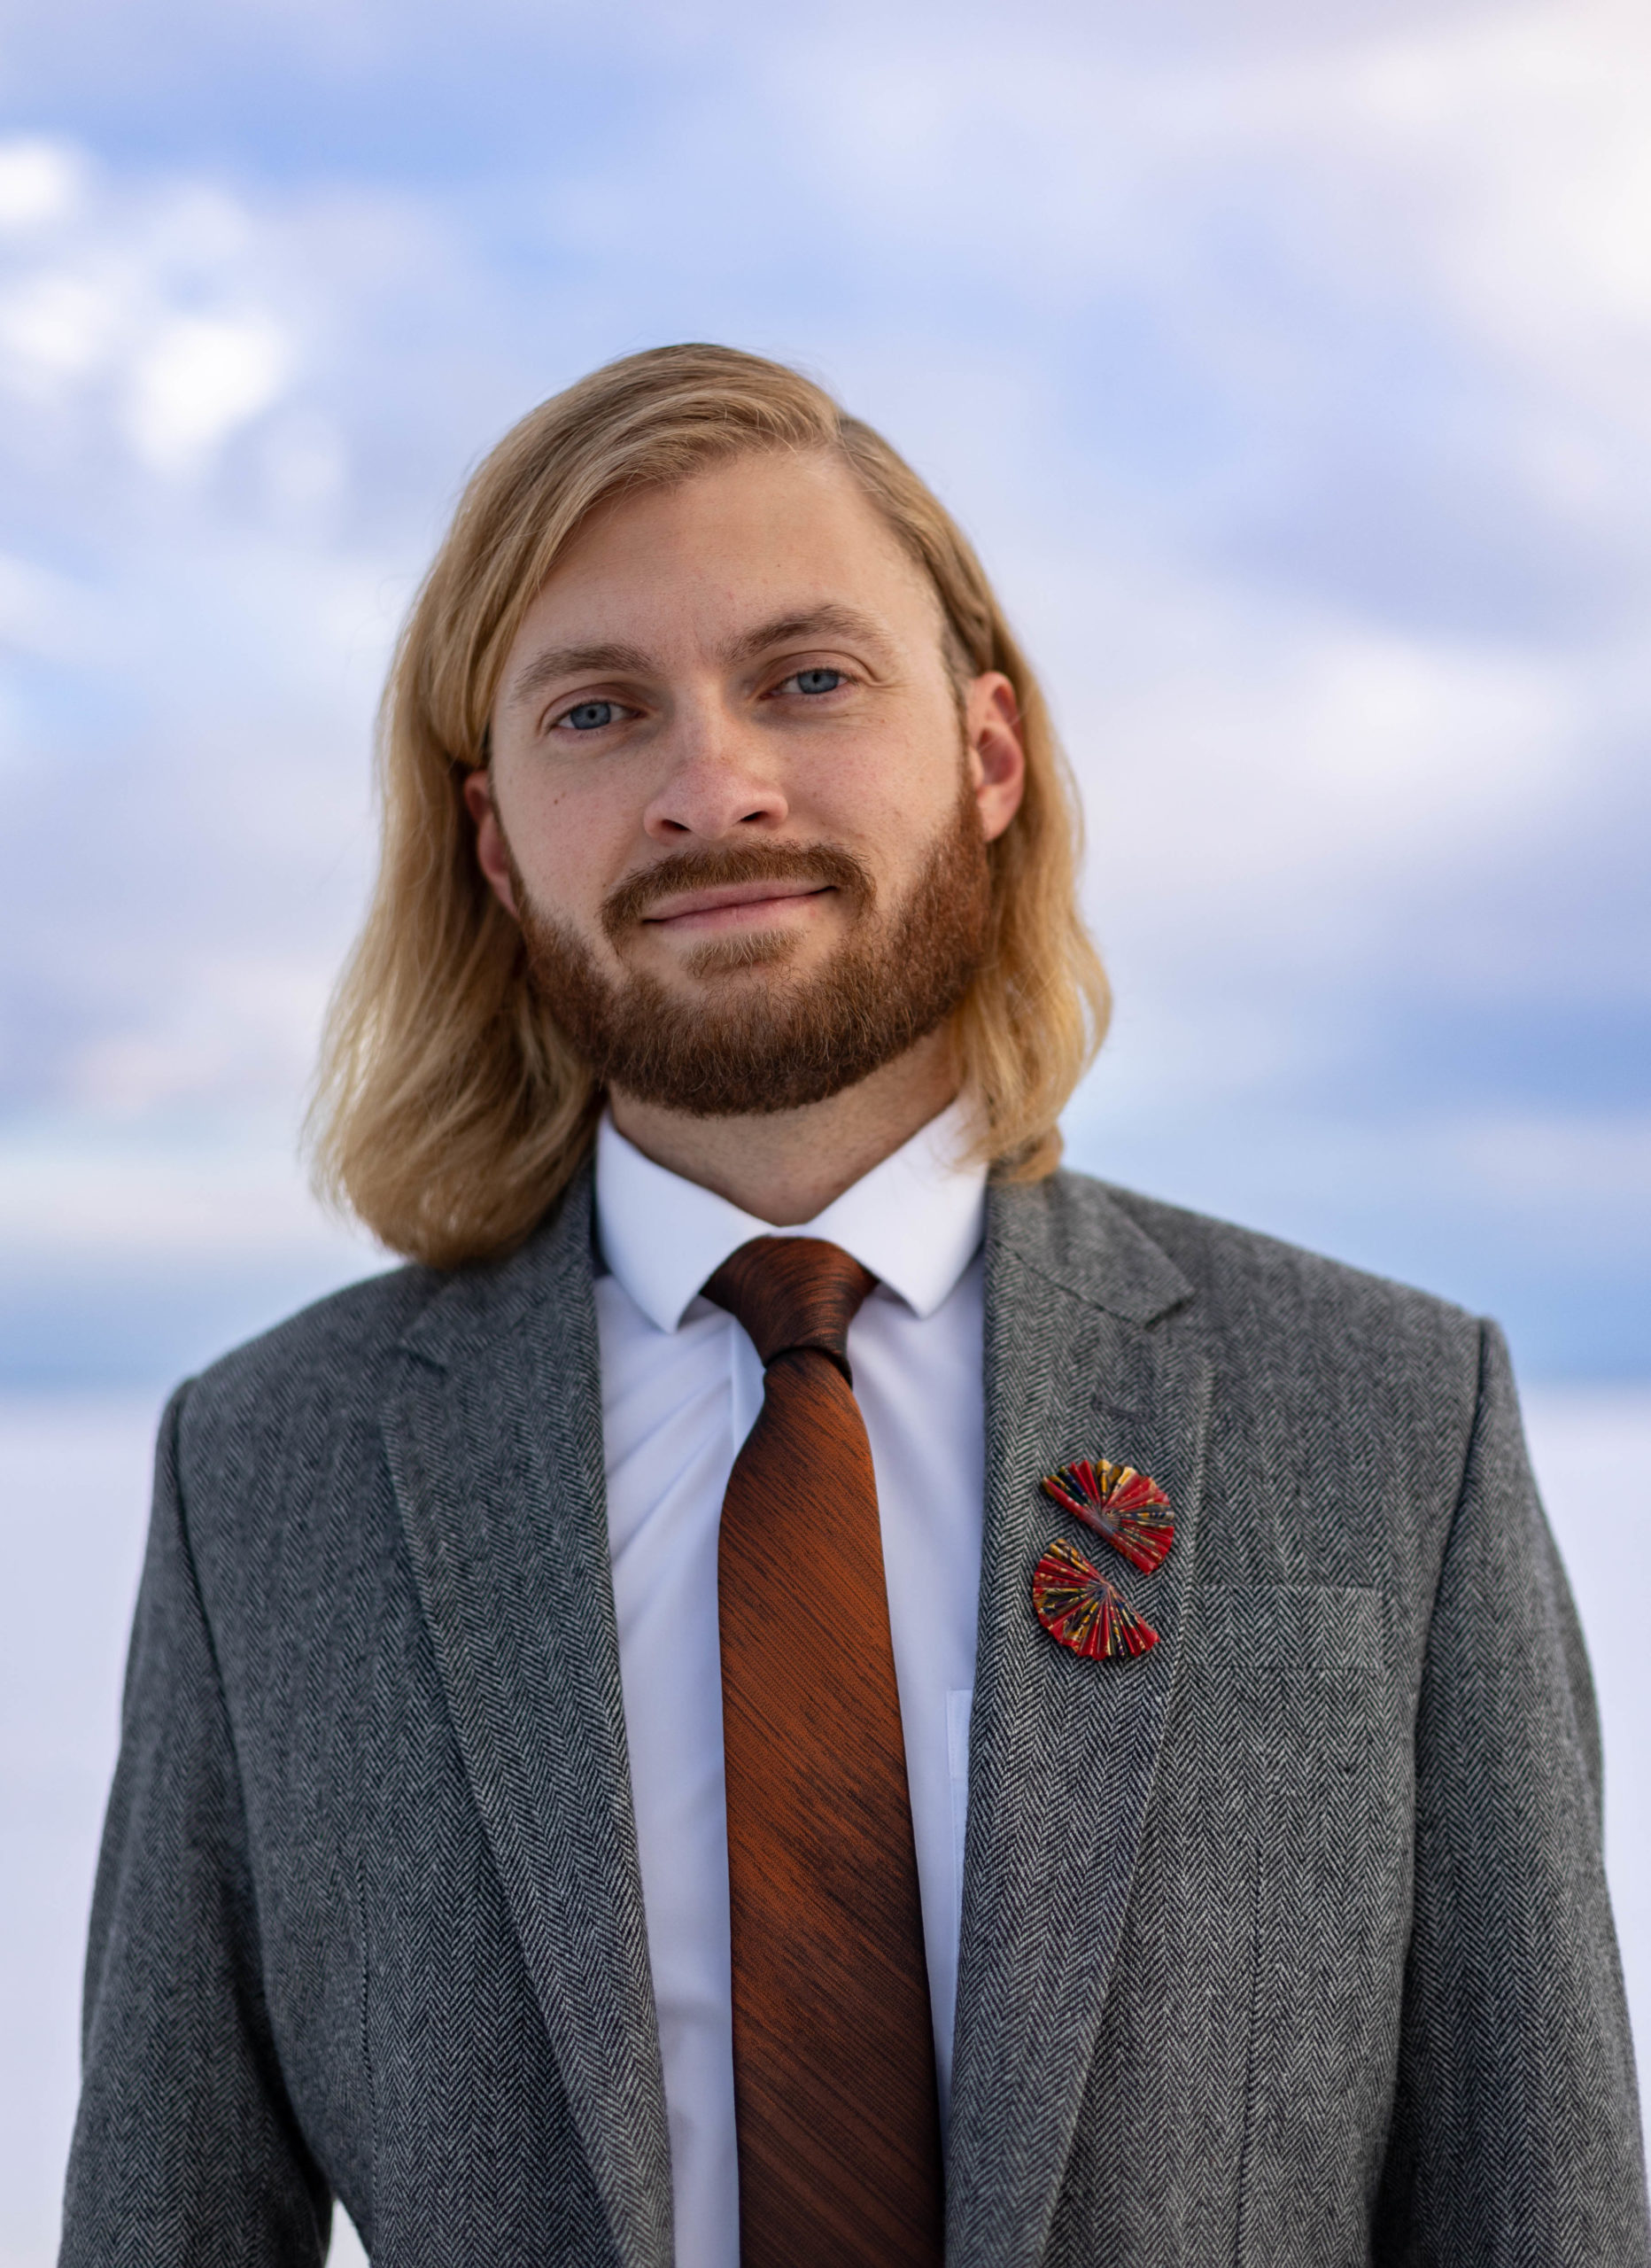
point(342, 1334)
point(323, 1375)
point(302, 1380)
point(1264, 1291)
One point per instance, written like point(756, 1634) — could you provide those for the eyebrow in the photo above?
point(574, 661)
point(827, 621)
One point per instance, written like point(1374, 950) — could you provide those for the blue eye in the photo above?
point(818, 680)
point(591, 716)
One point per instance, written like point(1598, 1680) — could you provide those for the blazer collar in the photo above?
point(1083, 1357)
point(494, 1437)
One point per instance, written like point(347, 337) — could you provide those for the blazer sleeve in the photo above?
point(1515, 2134)
point(186, 2150)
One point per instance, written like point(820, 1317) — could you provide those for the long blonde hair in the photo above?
point(450, 1112)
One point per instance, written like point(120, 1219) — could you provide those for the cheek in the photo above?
point(898, 809)
point(893, 792)
point(569, 845)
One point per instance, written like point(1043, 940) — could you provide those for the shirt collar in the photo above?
point(916, 1221)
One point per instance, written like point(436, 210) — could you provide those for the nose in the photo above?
point(721, 780)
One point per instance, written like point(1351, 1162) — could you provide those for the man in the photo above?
point(802, 1680)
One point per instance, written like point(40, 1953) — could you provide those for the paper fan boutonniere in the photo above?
point(1126, 1507)
point(1080, 1608)
point(1075, 1602)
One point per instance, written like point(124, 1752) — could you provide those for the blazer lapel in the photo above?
point(495, 1449)
point(1062, 1751)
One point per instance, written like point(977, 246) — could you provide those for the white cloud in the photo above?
point(55, 327)
point(1493, 168)
point(243, 1025)
point(162, 318)
point(39, 181)
point(1529, 127)
point(1526, 1187)
point(1599, 1162)
point(221, 1192)
point(1260, 754)
point(199, 378)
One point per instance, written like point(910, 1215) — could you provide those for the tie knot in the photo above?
point(792, 1292)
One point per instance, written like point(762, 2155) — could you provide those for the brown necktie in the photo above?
point(834, 2051)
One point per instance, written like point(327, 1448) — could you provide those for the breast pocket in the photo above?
point(1290, 1682)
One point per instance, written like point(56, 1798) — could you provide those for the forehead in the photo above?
point(759, 536)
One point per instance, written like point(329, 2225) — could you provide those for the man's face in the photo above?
point(731, 798)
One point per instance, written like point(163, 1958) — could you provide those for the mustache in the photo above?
point(824, 864)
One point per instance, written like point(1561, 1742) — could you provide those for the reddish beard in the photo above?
point(747, 1045)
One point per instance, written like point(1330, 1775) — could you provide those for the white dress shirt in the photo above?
point(681, 1388)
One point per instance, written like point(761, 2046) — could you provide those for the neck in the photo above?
point(786, 1166)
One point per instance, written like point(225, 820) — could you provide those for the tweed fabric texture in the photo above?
point(1285, 1943)
point(835, 2096)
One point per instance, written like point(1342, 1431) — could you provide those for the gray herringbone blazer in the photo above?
point(1287, 1942)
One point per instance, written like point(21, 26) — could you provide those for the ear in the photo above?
point(492, 855)
point(997, 758)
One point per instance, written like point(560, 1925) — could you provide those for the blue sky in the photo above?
point(1288, 364)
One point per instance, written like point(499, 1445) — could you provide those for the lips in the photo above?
point(738, 886)
point(730, 904)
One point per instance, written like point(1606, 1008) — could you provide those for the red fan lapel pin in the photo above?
point(1075, 1602)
